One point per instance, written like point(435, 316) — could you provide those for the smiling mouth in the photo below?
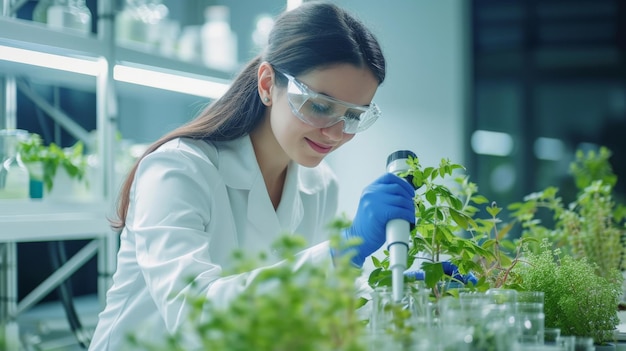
point(319, 147)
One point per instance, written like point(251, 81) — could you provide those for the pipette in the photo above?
point(398, 231)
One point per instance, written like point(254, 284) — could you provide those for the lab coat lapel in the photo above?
point(241, 171)
point(261, 214)
point(290, 210)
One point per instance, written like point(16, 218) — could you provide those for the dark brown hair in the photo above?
point(312, 36)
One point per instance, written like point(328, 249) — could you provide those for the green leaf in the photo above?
point(493, 210)
point(428, 171)
point(456, 203)
point(479, 199)
point(459, 218)
point(376, 261)
point(433, 272)
point(431, 196)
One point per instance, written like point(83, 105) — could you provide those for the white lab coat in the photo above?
point(191, 205)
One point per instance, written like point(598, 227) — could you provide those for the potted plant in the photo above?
point(592, 225)
point(51, 164)
point(581, 242)
point(577, 300)
point(449, 229)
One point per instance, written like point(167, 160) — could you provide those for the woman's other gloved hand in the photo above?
point(388, 197)
point(449, 269)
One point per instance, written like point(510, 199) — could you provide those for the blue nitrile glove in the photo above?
point(388, 197)
point(449, 269)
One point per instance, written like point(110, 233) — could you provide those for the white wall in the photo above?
point(423, 98)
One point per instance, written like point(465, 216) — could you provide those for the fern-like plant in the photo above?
point(576, 299)
point(592, 226)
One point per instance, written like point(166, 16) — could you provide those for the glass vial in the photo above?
point(14, 177)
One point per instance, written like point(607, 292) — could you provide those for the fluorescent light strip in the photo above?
point(59, 62)
point(171, 82)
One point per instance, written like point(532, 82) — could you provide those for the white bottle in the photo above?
point(219, 42)
point(14, 177)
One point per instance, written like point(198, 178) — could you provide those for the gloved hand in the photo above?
point(449, 269)
point(388, 197)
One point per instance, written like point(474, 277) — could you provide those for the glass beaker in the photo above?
point(14, 178)
point(70, 14)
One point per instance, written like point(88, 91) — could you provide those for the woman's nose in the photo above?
point(334, 132)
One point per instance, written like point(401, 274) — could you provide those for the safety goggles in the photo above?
point(322, 111)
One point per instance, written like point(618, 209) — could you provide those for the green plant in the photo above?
point(284, 308)
point(577, 300)
point(449, 228)
point(592, 226)
point(51, 157)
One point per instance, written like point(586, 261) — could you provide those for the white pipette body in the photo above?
point(398, 231)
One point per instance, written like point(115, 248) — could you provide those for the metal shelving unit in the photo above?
point(21, 43)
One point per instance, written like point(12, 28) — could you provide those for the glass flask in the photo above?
point(14, 178)
point(69, 14)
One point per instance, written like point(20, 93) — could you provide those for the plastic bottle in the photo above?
point(71, 15)
point(219, 42)
point(14, 178)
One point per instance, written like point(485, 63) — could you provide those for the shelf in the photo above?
point(33, 220)
point(38, 37)
point(136, 68)
point(148, 60)
point(30, 49)
point(47, 76)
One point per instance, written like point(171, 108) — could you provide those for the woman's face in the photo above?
point(303, 143)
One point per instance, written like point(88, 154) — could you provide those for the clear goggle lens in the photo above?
point(323, 111)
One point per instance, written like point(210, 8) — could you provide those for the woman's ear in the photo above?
point(265, 75)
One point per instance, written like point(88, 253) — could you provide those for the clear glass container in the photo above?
point(70, 15)
point(14, 177)
point(140, 23)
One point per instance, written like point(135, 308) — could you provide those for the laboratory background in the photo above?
point(509, 89)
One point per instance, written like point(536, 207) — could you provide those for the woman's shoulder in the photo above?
point(199, 149)
point(191, 146)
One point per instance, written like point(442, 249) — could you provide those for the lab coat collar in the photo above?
point(237, 163)
point(240, 170)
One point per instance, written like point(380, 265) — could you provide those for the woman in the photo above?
point(246, 171)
